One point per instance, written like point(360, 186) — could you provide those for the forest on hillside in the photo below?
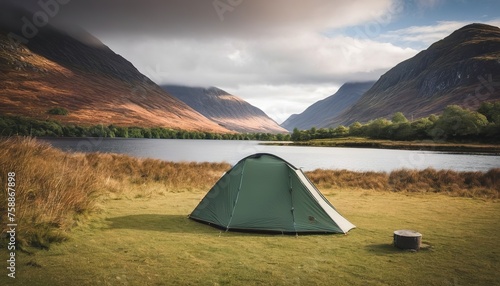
point(25, 126)
point(455, 123)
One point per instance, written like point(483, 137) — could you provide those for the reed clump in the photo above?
point(173, 176)
point(348, 179)
point(462, 184)
point(52, 189)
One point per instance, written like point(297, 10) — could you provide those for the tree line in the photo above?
point(455, 123)
point(24, 126)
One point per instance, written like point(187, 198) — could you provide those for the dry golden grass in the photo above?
point(54, 189)
point(462, 184)
point(173, 176)
point(348, 179)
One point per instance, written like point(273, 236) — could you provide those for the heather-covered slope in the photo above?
point(75, 71)
point(462, 69)
point(228, 110)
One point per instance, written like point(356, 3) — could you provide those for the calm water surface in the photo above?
point(308, 158)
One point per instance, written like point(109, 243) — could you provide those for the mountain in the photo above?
point(321, 113)
point(226, 109)
point(49, 68)
point(462, 69)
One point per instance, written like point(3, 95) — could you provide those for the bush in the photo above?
point(459, 122)
point(58, 111)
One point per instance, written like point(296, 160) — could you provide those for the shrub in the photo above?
point(58, 111)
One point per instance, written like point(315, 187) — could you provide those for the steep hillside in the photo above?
point(462, 69)
point(226, 109)
point(76, 71)
point(321, 113)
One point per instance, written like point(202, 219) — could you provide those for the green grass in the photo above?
point(149, 241)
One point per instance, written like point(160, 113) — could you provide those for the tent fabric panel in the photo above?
point(217, 205)
point(309, 215)
point(336, 218)
point(263, 201)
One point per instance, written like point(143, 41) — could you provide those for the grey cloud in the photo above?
point(206, 18)
point(260, 48)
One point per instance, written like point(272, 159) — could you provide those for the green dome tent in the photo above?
point(263, 192)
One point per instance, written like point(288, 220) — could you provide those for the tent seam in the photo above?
point(237, 196)
point(291, 200)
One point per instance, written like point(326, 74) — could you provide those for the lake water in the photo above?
point(308, 158)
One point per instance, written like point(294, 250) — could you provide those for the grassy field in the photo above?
point(134, 230)
point(149, 241)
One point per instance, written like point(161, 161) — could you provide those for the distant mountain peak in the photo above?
point(226, 109)
point(477, 26)
point(455, 70)
point(323, 111)
point(74, 70)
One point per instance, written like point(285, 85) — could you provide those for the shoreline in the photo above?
point(351, 142)
point(460, 148)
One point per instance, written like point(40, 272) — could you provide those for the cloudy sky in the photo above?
point(279, 55)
